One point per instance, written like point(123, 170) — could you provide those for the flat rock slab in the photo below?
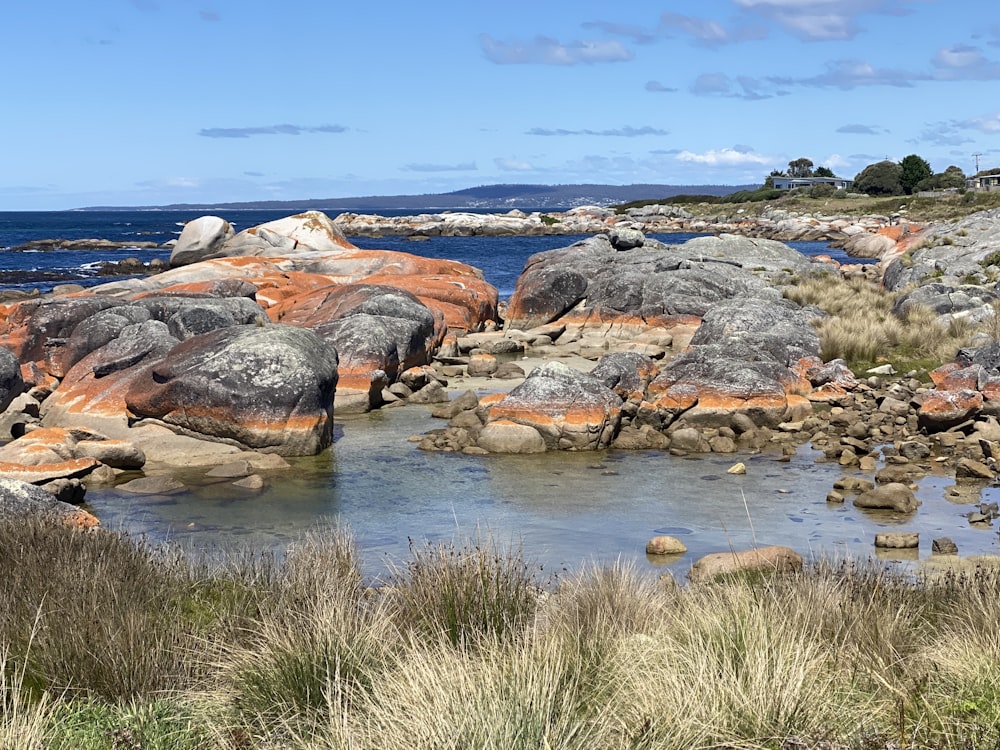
point(773, 559)
point(151, 486)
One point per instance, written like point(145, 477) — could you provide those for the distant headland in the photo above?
point(482, 197)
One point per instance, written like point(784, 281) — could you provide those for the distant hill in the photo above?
point(483, 197)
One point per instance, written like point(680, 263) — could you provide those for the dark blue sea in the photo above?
point(500, 258)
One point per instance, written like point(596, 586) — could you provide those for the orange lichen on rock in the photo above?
point(467, 302)
point(37, 473)
point(944, 409)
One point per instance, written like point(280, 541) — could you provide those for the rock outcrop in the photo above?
point(21, 500)
point(240, 342)
point(267, 388)
point(569, 409)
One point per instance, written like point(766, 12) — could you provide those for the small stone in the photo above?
point(908, 540)
point(944, 546)
point(665, 545)
point(152, 486)
point(891, 496)
point(834, 497)
point(737, 468)
point(232, 470)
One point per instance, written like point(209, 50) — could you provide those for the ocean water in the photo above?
point(500, 258)
point(565, 510)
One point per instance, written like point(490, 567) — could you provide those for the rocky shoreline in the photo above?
point(243, 351)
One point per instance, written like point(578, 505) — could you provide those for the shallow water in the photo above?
point(564, 508)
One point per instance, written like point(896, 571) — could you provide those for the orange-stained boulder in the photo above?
point(378, 331)
point(570, 409)
point(943, 409)
point(45, 472)
point(466, 302)
point(93, 392)
point(268, 388)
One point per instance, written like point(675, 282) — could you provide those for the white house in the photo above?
point(788, 183)
point(986, 180)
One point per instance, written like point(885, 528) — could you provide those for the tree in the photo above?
point(769, 180)
point(824, 172)
point(951, 178)
point(881, 178)
point(914, 169)
point(800, 168)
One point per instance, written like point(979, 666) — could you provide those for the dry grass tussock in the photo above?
point(470, 646)
point(862, 328)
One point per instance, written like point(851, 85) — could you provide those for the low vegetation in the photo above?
point(946, 207)
point(864, 327)
point(110, 643)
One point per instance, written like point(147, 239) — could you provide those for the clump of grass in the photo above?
point(102, 607)
point(25, 719)
point(327, 639)
point(465, 647)
point(863, 325)
point(503, 696)
point(464, 593)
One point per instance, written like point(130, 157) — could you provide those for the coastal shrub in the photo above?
point(822, 190)
point(324, 636)
point(753, 196)
point(861, 326)
point(464, 593)
point(101, 607)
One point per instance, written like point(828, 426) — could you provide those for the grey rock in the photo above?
point(23, 500)
point(11, 384)
point(267, 388)
point(201, 239)
point(622, 238)
point(944, 546)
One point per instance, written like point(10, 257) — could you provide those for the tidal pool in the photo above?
point(564, 509)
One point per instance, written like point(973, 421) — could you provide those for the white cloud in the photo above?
point(468, 166)
point(658, 88)
point(822, 20)
point(284, 129)
point(983, 123)
point(182, 182)
point(513, 165)
point(725, 157)
point(962, 62)
point(836, 161)
point(546, 51)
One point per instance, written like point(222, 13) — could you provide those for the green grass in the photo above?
point(464, 646)
point(913, 208)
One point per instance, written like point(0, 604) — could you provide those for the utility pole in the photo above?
point(977, 155)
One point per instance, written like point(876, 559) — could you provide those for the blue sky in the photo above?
point(148, 102)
